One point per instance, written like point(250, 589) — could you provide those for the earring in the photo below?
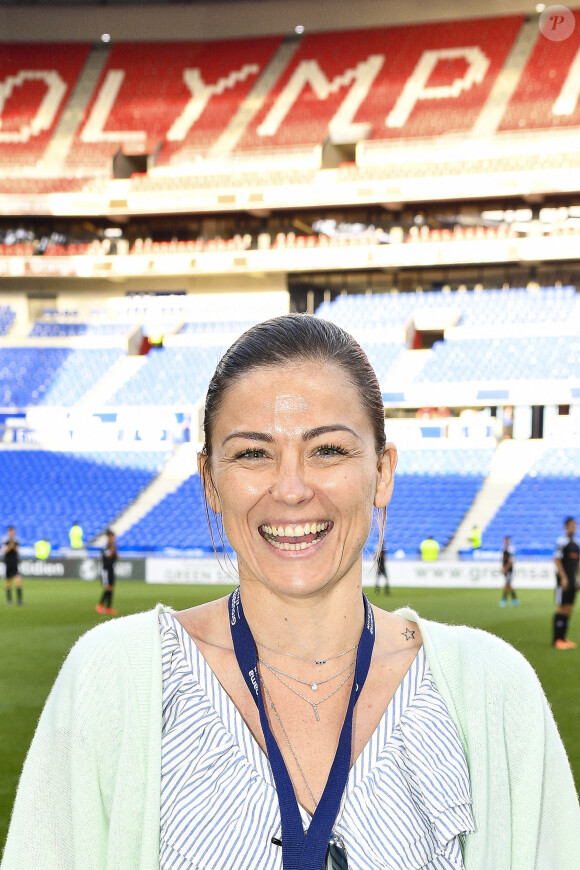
point(270, 490)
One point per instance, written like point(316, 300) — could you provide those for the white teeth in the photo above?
point(273, 532)
point(295, 531)
point(303, 545)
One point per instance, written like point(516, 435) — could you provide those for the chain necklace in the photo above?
point(304, 658)
point(315, 704)
point(313, 685)
point(294, 756)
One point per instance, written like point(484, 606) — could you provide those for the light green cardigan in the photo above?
point(89, 794)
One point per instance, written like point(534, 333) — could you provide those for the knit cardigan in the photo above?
point(89, 794)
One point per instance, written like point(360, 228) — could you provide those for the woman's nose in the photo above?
point(291, 484)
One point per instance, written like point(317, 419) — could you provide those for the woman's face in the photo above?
point(296, 476)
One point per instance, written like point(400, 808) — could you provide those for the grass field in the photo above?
point(34, 640)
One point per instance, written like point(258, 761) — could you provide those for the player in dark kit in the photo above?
point(566, 559)
point(11, 555)
point(109, 558)
point(507, 569)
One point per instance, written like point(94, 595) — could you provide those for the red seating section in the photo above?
point(386, 83)
point(35, 83)
point(151, 96)
point(331, 63)
point(542, 87)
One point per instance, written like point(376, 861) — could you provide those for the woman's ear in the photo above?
point(385, 476)
point(211, 493)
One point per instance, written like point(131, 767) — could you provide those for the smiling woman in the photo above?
point(292, 468)
point(293, 725)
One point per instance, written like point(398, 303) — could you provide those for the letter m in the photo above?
point(358, 80)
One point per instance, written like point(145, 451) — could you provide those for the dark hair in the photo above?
point(295, 338)
point(569, 520)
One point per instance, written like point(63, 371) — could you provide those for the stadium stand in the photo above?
point(420, 80)
point(216, 326)
point(55, 329)
point(170, 376)
point(177, 522)
point(434, 489)
point(7, 317)
point(503, 359)
point(477, 308)
point(50, 376)
point(36, 81)
point(173, 95)
point(547, 93)
point(90, 487)
point(176, 100)
point(533, 512)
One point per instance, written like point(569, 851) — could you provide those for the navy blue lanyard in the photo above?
point(302, 851)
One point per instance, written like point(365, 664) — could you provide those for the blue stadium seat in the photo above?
point(49, 490)
point(533, 513)
point(7, 317)
point(178, 522)
point(50, 376)
point(171, 375)
point(434, 488)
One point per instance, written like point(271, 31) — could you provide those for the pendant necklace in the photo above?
point(315, 704)
point(313, 684)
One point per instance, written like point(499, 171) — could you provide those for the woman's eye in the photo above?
point(330, 450)
point(250, 454)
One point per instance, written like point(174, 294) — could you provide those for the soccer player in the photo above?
point(566, 559)
point(507, 569)
point(109, 557)
point(11, 555)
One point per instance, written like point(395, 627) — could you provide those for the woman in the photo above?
point(391, 742)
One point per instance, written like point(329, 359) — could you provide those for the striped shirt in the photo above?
point(406, 804)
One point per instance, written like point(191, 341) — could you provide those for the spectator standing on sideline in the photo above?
point(10, 549)
point(507, 569)
point(429, 549)
point(382, 572)
point(566, 559)
point(475, 538)
point(109, 557)
point(42, 549)
point(75, 536)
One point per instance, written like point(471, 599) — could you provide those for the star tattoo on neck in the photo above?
point(408, 634)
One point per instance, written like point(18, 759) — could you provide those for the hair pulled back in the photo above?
point(290, 339)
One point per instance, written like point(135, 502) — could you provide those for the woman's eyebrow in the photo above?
point(324, 430)
point(251, 436)
point(308, 435)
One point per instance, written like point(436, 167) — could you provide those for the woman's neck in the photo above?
point(314, 627)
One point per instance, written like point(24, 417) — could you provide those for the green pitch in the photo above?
point(34, 640)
